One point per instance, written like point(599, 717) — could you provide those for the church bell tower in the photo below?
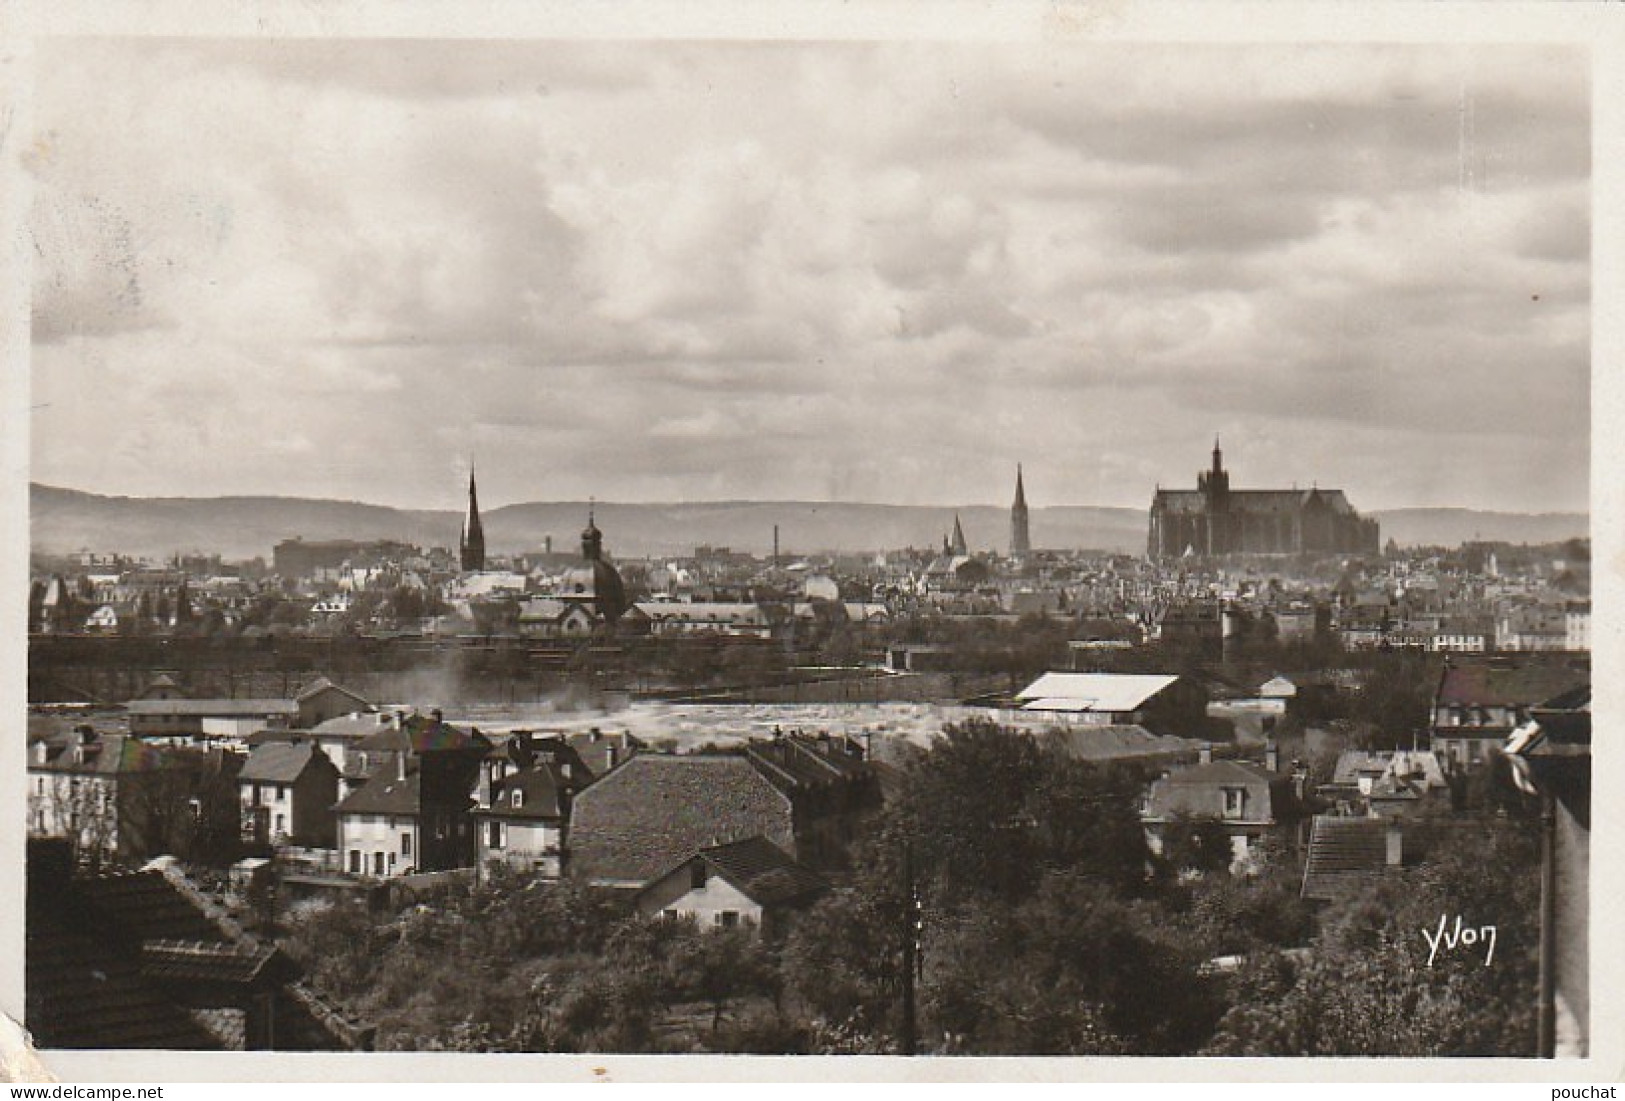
point(471, 543)
point(1020, 541)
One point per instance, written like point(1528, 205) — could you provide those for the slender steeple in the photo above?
point(471, 544)
point(1020, 542)
point(959, 546)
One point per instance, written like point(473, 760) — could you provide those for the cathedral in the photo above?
point(1214, 519)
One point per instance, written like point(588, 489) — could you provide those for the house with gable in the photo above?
point(413, 812)
point(1387, 783)
point(287, 791)
point(550, 617)
point(337, 738)
point(523, 803)
point(1482, 699)
point(656, 811)
point(1251, 803)
point(321, 700)
point(745, 884)
point(804, 793)
point(116, 799)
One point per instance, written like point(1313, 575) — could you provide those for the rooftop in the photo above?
point(656, 811)
point(763, 872)
point(1111, 692)
point(280, 762)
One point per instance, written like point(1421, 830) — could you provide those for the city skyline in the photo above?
point(810, 271)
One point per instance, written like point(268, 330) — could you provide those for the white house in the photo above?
point(749, 883)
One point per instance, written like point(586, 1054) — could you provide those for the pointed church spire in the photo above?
point(471, 544)
point(959, 546)
point(1020, 543)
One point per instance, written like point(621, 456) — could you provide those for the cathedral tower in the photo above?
point(1020, 542)
point(471, 544)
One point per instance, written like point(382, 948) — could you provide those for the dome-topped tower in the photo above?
point(592, 540)
point(595, 582)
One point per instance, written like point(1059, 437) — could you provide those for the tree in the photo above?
point(989, 810)
point(721, 966)
point(844, 959)
point(1072, 970)
point(1196, 843)
point(1368, 985)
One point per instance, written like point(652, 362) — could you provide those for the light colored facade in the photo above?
point(112, 799)
point(710, 901)
point(269, 806)
point(1459, 642)
point(1577, 625)
point(523, 844)
point(379, 845)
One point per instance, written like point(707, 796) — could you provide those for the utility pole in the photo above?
point(911, 929)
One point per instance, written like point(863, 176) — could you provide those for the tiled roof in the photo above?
point(385, 795)
point(146, 906)
point(600, 751)
point(1199, 791)
point(763, 872)
point(1516, 681)
point(85, 991)
point(116, 755)
point(279, 762)
point(425, 734)
point(539, 798)
point(107, 955)
point(655, 811)
point(1345, 855)
point(1353, 763)
point(205, 961)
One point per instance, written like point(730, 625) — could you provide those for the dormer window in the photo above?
point(518, 798)
point(1235, 802)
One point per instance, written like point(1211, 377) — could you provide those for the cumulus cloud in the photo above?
point(884, 271)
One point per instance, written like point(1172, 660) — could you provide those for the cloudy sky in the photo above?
point(878, 272)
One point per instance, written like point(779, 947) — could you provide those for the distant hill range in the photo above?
point(65, 520)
